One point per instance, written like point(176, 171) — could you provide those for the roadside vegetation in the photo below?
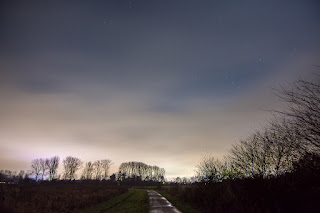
point(275, 169)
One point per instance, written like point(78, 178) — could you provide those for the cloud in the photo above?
point(162, 83)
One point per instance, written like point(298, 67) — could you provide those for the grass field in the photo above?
point(134, 201)
point(51, 198)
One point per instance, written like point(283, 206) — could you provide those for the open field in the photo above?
point(134, 201)
point(58, 197)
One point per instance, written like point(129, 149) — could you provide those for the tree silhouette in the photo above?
point(43, 166)
point(97, 169)
point(140, 171)
point(71, 165)
point(106, 163)
point(87, 171)
point(52, 165)
point(36, 168)
point(303, 112)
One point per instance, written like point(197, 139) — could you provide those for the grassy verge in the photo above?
point(135, 201)
point(182, 206)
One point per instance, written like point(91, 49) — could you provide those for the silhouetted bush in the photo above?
point(286, 193)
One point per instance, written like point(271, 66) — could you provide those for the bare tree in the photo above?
point(250, 157)
point(162, 174)
point(184, 180)
point(303, 111)
point(293, 136)
point(44, 167)
point(52, 165)
point(88, 171)
point(206, 169)
point(271, 151)
point(97, 169)
point(36, 168)
point(141, 171)
point(71, 165)
point(285, 146)
point(21, 174)
point(178, 180)
point(211, 169)
point(106, 163)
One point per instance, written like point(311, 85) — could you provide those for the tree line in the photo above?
point(97, 170)
point(140, 171)
point(275, 169)
point(291, 137)
point(46, 169)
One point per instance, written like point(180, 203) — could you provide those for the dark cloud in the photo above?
point(146, 80)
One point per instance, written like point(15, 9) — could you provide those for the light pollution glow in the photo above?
point(163, 84)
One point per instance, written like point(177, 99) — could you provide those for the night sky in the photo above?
point(163, 82)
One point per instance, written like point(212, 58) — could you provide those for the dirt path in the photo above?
point(159, 204)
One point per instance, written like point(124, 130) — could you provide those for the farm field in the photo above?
point(135, 200)
point(59, 197)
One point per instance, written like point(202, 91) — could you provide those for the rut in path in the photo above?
point(159, 204)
